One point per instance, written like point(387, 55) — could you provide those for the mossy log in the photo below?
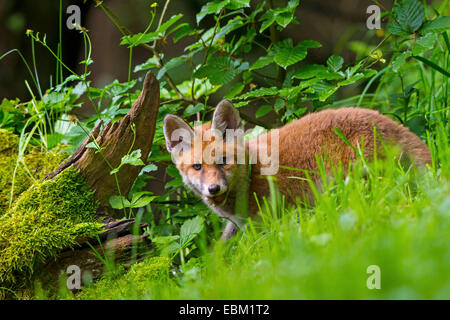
point(115, 140)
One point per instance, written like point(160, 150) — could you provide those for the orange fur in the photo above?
point(299, 143)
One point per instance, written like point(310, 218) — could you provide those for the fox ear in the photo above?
point(226, 116)
point(176, 130)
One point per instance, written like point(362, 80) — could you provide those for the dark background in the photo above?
point(334, 23)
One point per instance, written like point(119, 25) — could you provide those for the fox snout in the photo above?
point(214, 189)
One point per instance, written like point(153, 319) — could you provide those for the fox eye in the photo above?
point(197, 166)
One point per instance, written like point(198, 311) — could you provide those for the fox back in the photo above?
point(228, 175)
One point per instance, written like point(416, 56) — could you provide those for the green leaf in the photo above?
point(149, 168)
point(235, 90)
point(424, 43)
point(399, 61)
point(260, 93)
point(358, 76)
point(335, 63)
point(269, 20)
point(397, 30)
point(184, 31)
point(133, 159)
point(212, 7)
point(166, 25)
point(221, 70)
point(288, 56)
point(308, 71)
point(142, 201)
point(150, 63)
point(172, 63)
point(324, 89)
point(284, 18)
point(190, 229)
point(310, 44)
point(262, 62)
point(139, 38)
point(409, 15)
point(438, 25)
point(263, 110)
point(191, 109)
point(119, 202)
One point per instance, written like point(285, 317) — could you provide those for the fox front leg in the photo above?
point(229, 231)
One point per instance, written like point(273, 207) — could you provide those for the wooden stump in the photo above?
point(115, 139)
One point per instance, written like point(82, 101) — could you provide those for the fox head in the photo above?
point(209, 157)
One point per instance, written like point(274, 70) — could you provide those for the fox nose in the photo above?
point(214, 189)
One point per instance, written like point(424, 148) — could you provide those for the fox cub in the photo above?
point(226, 172)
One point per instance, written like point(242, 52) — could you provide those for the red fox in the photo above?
point(231, 172)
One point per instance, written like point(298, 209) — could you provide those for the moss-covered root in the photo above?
point(50, 216)
point(136, 283)
point(38, 164)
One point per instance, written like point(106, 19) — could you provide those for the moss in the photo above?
point(9, 142)
point(51, 215)
point(39, 164)
point(137, 283)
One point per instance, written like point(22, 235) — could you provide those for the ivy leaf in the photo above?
point(335, 63)
point(438, 25)
point(288, 56)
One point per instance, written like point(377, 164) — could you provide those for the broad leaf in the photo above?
point(409, 15)
point(288, 56)
point(335, 63)
point(438, 25)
